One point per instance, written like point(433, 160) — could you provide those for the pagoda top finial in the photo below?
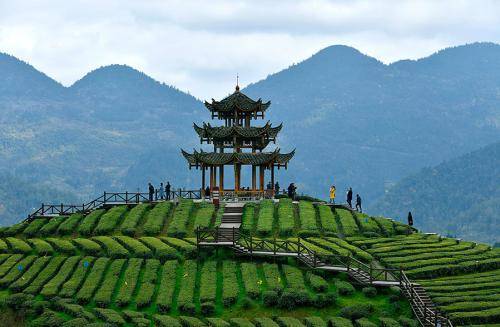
point(237, 83)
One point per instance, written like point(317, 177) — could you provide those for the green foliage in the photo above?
point(358, 311)
point(9, 263)
point(87, 225)
point(314, 322)
point(476, 317)
point(388, 322)
point(103, 295)
point(127, 286)
point(112, 247)
point(347, 221)
point(318, 284)
point(248, 218)
point(167, 286)
point(203, 215)
point(47, 318)
point(327, 219)
point(148, 283)
point(273, 277)
point(217, 322)
point(70, 287)
point(88, 246)
point(288, 322)
point(251, 279)
point(265, 322)
point(191, 322)
point(51, 288)
point(185, 298)
point(156, 217)
point(34, 226)
point(330, 246)
point(69, 225)
point(180, 219)
point(369, 291)
point(266, 217)
point(208, 281)
point(62, 245)
point(240, 322)
point(230, 289)
point(307, 215)
point(45, 275)
point(339, 322)
point(17, 245)
point(161, 250)
point(136, 248)
point(207, 308)
point(270, 298)
point(110, 220)
point(166, 321)
point(51, 226)
point(41, 247)
point(185, 247)
point(133, 218)
point(359, 253)
point(110, 316)
point(364, 322)
point(92, 281)
point(13, 274)
point(344, 288)
point(286, 217)
point(30, 274)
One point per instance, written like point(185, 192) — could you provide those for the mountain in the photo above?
point(459, 197)
point(354, 121)
point(357, 122)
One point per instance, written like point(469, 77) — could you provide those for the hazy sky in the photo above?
point(199, 46)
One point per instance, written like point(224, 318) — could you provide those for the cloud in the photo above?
point(199, 46)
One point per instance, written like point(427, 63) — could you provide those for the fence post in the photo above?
point(217, 235)
point(137, 197)
point(43, 209)
point(274, 245)
point(126, 197)
point(104, 201)
point(251, 246)
point(436, 317)
point(61, 212)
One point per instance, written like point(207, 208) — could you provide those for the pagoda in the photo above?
point(237, 143)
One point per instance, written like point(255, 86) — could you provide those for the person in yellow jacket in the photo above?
point(332, 194)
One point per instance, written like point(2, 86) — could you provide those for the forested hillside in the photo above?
point(458, 197)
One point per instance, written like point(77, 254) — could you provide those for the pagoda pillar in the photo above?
point(203, 180)
point(215, 176)
point(254, 178)
point(211, 178)
point(221, 179)
point(272, 177)
point(261, 178)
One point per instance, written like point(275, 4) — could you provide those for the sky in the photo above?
point(200, 46)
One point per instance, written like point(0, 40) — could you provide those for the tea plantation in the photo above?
point(138, 265)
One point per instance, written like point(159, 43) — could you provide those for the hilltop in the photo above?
point(138, 264)
point(459, 197)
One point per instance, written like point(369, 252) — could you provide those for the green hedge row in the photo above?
point(88, 246)
point(167, 286)
point(112, 247)
point(307, 215)
point(14, 273)
point(251, 279)
point(248, 222)
point(286, 217)
point(52, 225)
point(230, 288)
point(88, 223)
point(148, 283)
point(187, 283)
point(30, 274)
point(51, 288)
point(34, 226)
point(9, 262)
point(208, 287)
point(161, 250)
point(72, 285)
point(347, 221)
point(331, 246)
point(62, 245)
point(110, 220)
point(134, 246)
point(266, 217)
point(133, 219)
point(273, 277)
point(103, 295)
point(327, 219)
point(180, 219)
point(481, 248)
point(128, 284)
point(203, 215)
point(50, 270)
point(17, 245)
point(41, 247)
point(70, 224)
point(367, 223)
point(92, 281)
point(185, 247)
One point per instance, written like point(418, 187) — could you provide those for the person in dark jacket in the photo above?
point(277, 188)
point(207, 192)
point(151, 192)
point(291, 191)
point(410, 219)
point(167, 191)
point(358, 203)
point(349, 197)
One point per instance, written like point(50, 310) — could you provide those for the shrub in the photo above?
point(250, 279)
point(314, 322)
point(41, 247)
point(294, 277)
point(167, 286)
point(388, 322)
point(188, 308)
point(307, 215)
point(191, 322)
point(68, 226)
point(364, 322)
point(52, 287)
point(240, 322)
point(217, 322)
point(166, 321)
point(185, 297)
point(141, 322)
point(290, 299)
point(161, 250)
point(47, 318)
point(103, 295)
point(45, 275)
point(273, 277)
point(15, 301)
point(110, 219)
point(344, 288)
point(9, 263)
point(76, 322)
point(148, 284)
point(270, 298)
point(266, 217)
point(286, 217)
point(13, 274)
point(187, 248)
point(70, 287)
point(156, 217)
point(180, 219)
point(17, 245)
point(75, 310)
point(133, 218)
point(3, 246)
point(363, 255)
point(208, 281)
point(357, 311)
point(339, 322)
point(112, 247)
point(131, 276)
point(135, 247)
point(347, 221)
point(88, 246)
point(207, 308)
point(369, 291)
point(318, 284)
point(203, 216)
point(30, 274)
point(230, 289)
point(92, 281)
point(87, 225)
point(130, 314)
point(248, 218)
point(265, 322)
point(407, 322)
point(34, 226)
point(288, 322)
point(110, 316)
point(323, 300)
point(51, 226)
point(327, 219)
point(62, 245)
point(15, 229)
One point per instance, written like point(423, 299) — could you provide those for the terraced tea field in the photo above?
point(140, 266)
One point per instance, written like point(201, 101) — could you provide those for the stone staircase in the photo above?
point(231, 220)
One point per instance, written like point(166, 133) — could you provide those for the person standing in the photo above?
point(349, 197)
point(410, 222)
point(332, 194)
point(358, 203)
point(291, 191)
point(162, 191)
point(151, 192)
point(167, 191)
point(276, 188)
point(207, 192)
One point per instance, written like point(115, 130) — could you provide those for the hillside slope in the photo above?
point(460, 197)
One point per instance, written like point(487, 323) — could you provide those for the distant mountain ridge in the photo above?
point(354, 121)
point(459, 197)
